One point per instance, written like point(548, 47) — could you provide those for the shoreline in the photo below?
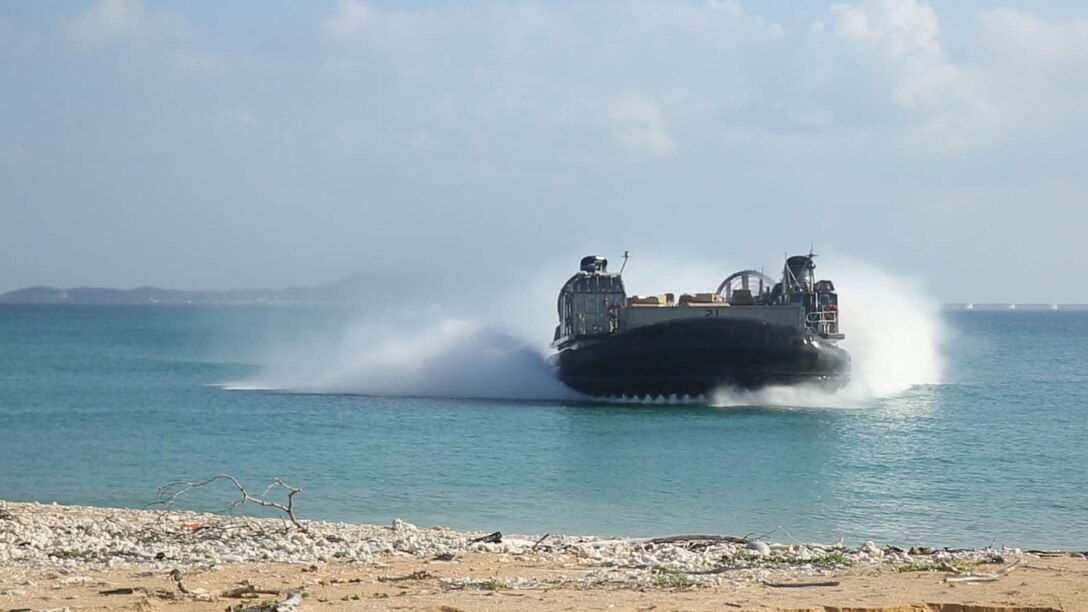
point(67, 556)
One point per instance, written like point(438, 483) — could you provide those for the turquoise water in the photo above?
point(102, 405)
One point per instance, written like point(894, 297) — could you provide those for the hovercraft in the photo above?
point(751, 333)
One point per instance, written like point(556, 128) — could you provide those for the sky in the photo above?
point(266, 144)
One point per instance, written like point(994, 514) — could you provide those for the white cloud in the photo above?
point(731, 7)
point(455, 113)
point(639, 124)
point(126, 20)
point(1023, 37)
point(349, 20)
point(906, 32)
point(947, 100)
point(811, 117)
point(906, 27)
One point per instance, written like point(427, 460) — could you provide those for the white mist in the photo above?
point(892, 332)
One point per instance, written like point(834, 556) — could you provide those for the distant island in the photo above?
point(354, 288)
point(373, 289)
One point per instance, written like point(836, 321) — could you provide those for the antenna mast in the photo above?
point(626, 256)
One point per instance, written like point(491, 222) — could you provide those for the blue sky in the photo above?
point(272, 143)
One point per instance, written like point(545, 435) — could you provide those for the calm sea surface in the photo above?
point(103, 405)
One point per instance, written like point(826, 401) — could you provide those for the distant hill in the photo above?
point(355, 288)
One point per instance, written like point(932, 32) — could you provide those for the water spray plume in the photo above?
point(454, 359)
point(892, 330)
point(893, 333)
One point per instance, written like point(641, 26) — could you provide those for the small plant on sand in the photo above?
point(672, 578)
point(489, 585)
point(828, 561)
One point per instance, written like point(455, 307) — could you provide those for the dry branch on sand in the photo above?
point(985, 577)
point(169, 495)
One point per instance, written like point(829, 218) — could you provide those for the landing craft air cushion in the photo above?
point(750, 333)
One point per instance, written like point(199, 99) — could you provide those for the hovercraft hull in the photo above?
point(695, 357)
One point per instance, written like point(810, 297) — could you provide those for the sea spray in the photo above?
point(895, 330)
point(892, 332)
point(454, 358)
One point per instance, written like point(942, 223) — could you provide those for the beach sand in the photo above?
point(81, 558)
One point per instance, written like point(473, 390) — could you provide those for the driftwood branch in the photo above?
point(491, 538)
point(418, 575)
point(699, 538)
point(540, 541)
point(721, 569)
point(800, 585)
point(291, 604)
point(175, 575)
point(169, 495)
point(985, 577)
point(248, 591)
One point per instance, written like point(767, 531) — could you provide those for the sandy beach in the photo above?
point(56, 557)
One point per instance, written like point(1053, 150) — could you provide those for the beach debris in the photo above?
point(678, 539)
point(491, 538)
point(417, 575)
point(800, 585)
point(721, 569)
point(540, 541)
point(760, 548)
point(169, 494)
point(118, 591)
point(483, 584)
point(291, 604)
point(1054, 553)
point(175, 575)
point(97, 538)
point(245, 590)
point(985, 577)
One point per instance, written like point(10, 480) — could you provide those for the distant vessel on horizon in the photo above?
point(1016, 306)
point(750, 333)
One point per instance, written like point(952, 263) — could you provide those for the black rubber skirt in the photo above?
point(697, 356)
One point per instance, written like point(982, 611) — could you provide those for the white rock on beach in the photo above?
point(70, 538)
point(761, 548)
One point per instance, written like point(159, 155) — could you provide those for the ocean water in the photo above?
point(981, 442)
